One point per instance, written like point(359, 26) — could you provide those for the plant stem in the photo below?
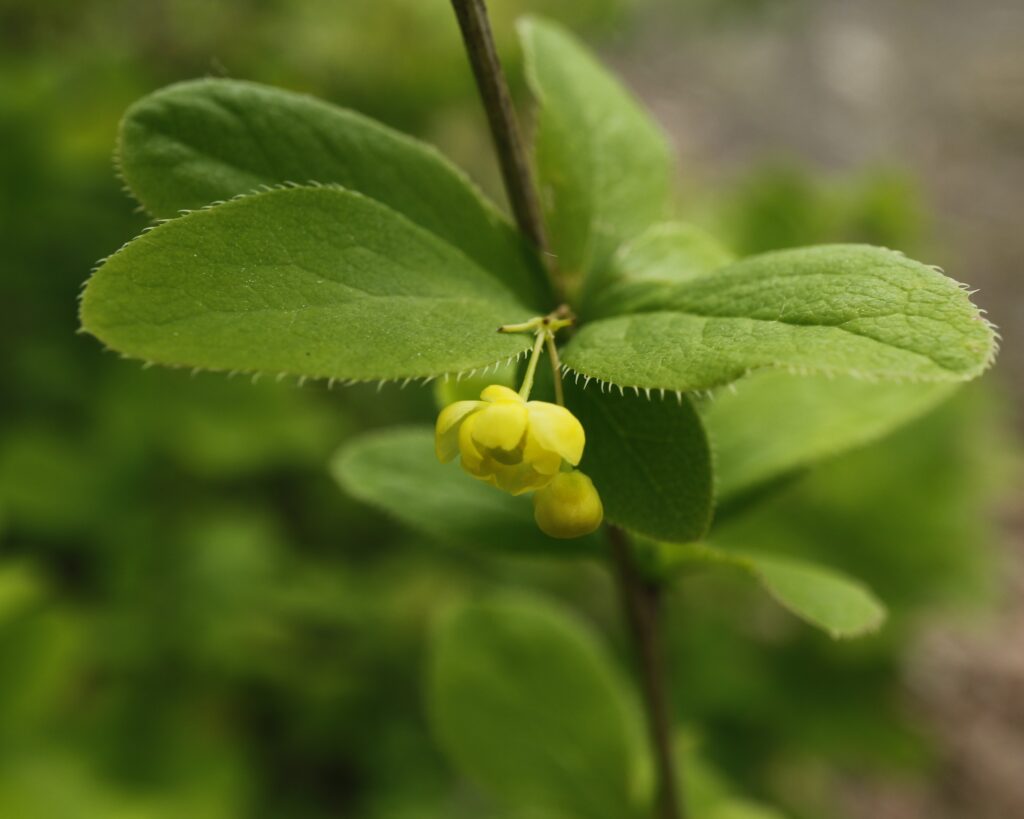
point(556, 368)
point(531, 368)
point(641, 599)
point(501, 116)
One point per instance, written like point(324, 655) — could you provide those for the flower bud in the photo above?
point(568, 506)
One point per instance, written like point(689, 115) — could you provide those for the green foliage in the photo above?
point(787, 205)
point(664, 255)
point(270, 283)
point(176, 523)
point(822, 597)
point(604, 167)
point(709, 796)
point(827, 599)
point(906, 514)
point(527, 704)
point(649, 460)
point(194, 143)
point(771, 424)
point(449, 390)
point(843, 309)
point(396, 471)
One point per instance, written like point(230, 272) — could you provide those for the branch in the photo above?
point(639, 598)
point(490, 80)
point(641, 602)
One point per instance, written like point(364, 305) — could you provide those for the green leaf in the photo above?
point(397, 472)
point(649, 460)
point(318, 282)
point(835, 309)
point(604, 167)
point(449, 390)
point(527, 705)
point(824, 598)
point(198, 142)
point(771, 424)
point(650, 265)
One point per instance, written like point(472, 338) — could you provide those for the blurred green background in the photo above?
point(194, 622)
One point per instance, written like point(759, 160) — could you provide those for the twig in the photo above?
point(639, 598)
point(490, 80)
point(641, 602)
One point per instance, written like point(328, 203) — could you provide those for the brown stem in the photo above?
point(641, 601)
point(501, 116)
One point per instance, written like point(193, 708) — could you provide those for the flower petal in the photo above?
point(446, 432)
point(545, 461)
point(519, 479)
point(555, 429)
point(472, 458)
point(496, 392)
point(500, 425)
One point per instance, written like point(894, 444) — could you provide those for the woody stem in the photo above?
point(640, 600)
point(501, 117)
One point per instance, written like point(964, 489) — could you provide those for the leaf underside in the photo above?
point(318, 282)
point(771, 424)
point(822, 597)
point(649, 460)
point(397, 472)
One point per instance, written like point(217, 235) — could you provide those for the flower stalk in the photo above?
point(531, 368)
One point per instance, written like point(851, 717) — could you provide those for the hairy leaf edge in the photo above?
point(301, 379)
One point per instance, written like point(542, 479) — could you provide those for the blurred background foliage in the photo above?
point(194, 622)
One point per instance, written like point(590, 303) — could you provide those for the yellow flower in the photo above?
point(569, 506)
point(511, 443)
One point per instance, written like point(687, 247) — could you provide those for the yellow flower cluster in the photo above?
point(523, 446)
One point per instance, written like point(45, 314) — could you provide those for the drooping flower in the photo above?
point(568, 506)
point(513, 444)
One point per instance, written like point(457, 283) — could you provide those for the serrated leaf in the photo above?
point(198, 142)
point(650, 265)
point(649, 460)
point(318, 282)
point(397, 472)
point(604, 167)
point(527, 705)
point(823, 597)
point(834, 309)
point(771, 424)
